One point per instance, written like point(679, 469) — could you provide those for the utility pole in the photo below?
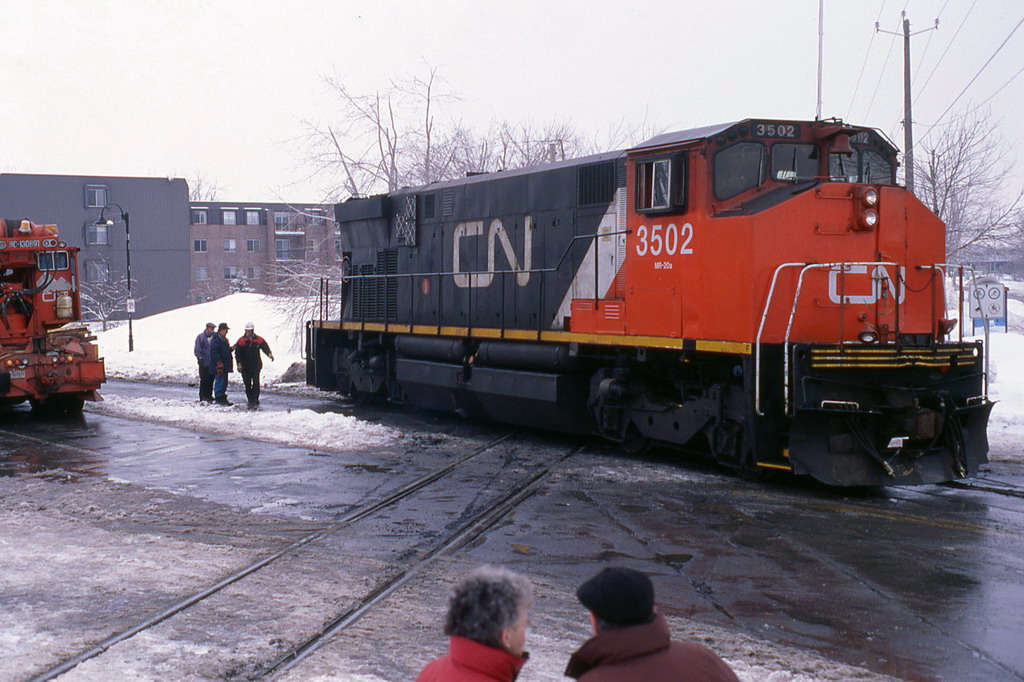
point(908, 119)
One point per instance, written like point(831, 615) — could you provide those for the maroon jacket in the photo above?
point(469, 661)
point(641, 653)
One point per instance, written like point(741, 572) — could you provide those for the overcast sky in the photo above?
point(159, 87)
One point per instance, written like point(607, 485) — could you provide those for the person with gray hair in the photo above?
point(486, 624)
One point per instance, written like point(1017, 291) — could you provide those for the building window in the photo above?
point(199, 245)
point(313, 245)
point(97, 271)
point(252, 245)
point(95, 196)
point(252, 217)
point(230, 245)
point(97, 235)
point(230, 272)
point(202, 274)
point(230, 217)
point(252, 272)
point(199, 217)
point(280, 220)
point(316, 216)
point(283, 247)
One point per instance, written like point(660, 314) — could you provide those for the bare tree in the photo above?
point(404, 135)
point(962, 177)
point(201, 188)
point(299, 293)
point(105, 301)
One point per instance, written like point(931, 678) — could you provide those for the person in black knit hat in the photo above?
point(631, 641)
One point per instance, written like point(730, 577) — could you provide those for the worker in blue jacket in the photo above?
point(221, 364)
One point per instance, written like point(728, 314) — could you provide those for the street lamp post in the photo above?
point(130, 303)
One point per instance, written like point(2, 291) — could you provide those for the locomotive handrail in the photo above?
point(440, 276)
point(973, 285)
point(792, 313)
point(760, 330)
point(452, 273)
point(764, 318)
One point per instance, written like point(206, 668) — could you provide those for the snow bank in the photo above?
point(164, 342)
point(301, 428)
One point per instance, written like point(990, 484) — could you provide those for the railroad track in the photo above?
point(988, 485)
point(468, 530)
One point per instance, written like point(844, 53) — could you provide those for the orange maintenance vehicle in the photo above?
point(44, 359)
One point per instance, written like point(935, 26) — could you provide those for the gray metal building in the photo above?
point(158, 211)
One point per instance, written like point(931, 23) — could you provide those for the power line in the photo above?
point(864, 64)
point(971, 82)
point(943, 55)
point(881, 74)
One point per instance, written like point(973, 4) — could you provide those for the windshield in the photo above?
point(794, 162)
point(866, 166)
point(739, 168)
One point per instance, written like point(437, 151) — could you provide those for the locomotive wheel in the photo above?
point(634, 442)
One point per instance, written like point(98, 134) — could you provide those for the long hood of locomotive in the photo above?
point(490, 257)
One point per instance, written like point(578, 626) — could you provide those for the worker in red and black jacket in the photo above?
point(247, 353)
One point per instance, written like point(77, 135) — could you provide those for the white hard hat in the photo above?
point(249, 326)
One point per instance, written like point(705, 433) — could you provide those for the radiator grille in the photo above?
point(374, 296)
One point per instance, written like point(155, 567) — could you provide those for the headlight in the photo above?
point(868, 336)
point(869, 218)
point(869, 196)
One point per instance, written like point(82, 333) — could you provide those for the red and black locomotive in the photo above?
point(761, 291)
point(43, 358)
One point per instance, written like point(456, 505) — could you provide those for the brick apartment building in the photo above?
point(256, 246)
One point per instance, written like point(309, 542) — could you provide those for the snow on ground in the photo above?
point(301, 428)
point(164, 342)
point(163, 352)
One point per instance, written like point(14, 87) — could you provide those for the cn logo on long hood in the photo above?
point(474, 278)
point(843, 279)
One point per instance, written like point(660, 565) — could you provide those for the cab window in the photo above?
point(875, 168)
point(53, 260)
point(867, 166)
point(660, 184)
point(794, 162)
point(739, 168)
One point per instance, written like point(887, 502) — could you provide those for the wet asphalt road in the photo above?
point(918, 583)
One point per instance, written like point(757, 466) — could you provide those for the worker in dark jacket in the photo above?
point(250, 363)
point(220, 364)
point(486, 623)
point(202, 352)
point(631, 642)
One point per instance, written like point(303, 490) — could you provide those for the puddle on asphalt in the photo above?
point(34, 460)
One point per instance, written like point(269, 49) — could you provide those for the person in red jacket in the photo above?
point(486, 623)
point(631, 642)
point(250, 364)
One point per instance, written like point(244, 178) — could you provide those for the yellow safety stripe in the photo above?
point(705, 345)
